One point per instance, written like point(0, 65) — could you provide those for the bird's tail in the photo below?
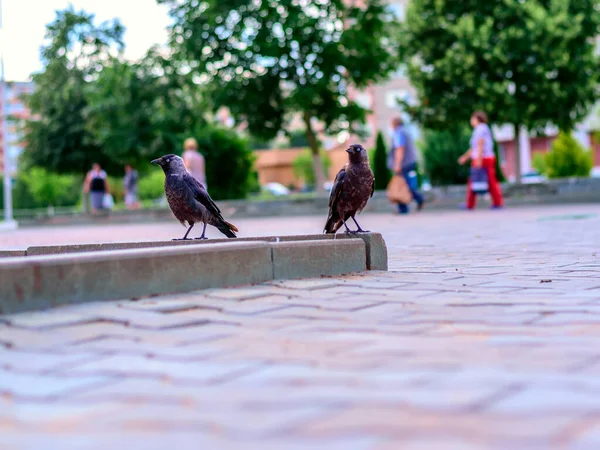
point(333, 224)
point(227, 229)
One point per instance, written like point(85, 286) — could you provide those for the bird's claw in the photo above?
point(362, 231)
point(200, 238)
point(181, 239)
point(351, 232)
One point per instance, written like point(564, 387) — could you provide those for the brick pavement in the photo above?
point(484, 334)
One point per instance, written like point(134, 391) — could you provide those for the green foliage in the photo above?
point(138, 111)
point(267, 61)
point(73, 53)
point(568, 158)
point(117, 189)
point(441, 150)
point(511, 59)
point(539, 163)
point(304, 169)
point(378, 160)
point(95, 107)
point(229, 161)
point(38, 188)
point(298, 139)
point(259, 144)
point(151, 186)
point(499, 173)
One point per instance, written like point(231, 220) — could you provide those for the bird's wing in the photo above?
point(201, 195)
point(336, 189)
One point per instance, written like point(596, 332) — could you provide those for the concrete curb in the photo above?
point(39, 282)
point(375, 246)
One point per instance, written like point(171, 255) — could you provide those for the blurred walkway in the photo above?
point(485, 334)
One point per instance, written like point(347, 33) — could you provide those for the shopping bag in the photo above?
point(108, 201)
point(397, 190)
point(479, 180)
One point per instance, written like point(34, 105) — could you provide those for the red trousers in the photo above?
point(490, 165)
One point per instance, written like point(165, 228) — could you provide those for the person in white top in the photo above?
point(481, 154)
point(194, 161)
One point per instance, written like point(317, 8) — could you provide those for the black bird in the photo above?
point(352, 189)
point(188, 199)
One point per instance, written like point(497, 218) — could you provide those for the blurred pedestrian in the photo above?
point(481, 154)
point(194, 161)
point(96, 185)
point(402, 161)
point(130, 184)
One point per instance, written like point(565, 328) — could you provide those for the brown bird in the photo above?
point(188, 199)
point(352, 189)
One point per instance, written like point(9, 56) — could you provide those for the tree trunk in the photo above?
point(314, 148)
point(517, 153)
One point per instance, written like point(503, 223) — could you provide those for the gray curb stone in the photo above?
point(307, 259)
point(12, 253)
point(77, 274)
point(375, 246)
point(41, 282)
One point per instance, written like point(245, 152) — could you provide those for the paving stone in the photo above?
point(54, 318)
point(536, 400)
point(39, 362)
point(132, 366)
point(45, 386)
point(407, 358)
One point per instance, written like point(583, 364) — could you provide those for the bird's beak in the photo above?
point(156, 161)
point(350, 150)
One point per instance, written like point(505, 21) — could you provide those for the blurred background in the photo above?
point(274, 92)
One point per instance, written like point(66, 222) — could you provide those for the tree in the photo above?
point(305, 170)
point(298, 139)
point(229, 162)
point(441, 150)
point(379, 164)
point(269, 61)
point(568, 158)
point(138, 111)
point(526, 63)
point(73, 54)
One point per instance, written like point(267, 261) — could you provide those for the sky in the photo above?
point(25, 25)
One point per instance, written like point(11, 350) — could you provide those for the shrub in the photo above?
point(117, 189)
point(568, 158)
point(378, 161)
point(151, 186)
point(539, 163)
point(229, 162)
point(38, 188)
point(441, 150)
point(304, 169)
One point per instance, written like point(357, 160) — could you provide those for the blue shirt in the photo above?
point(401, 138)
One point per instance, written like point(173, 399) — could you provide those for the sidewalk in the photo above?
point(484, 334)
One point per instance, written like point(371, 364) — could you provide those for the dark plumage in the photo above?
point(188, 199)
point(352, 188)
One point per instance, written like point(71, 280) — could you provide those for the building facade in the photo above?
point(12, 110)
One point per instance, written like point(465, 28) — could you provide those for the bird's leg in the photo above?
point(359, 230)
point(185, 238)
point(203, 231)
point(348, 230)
